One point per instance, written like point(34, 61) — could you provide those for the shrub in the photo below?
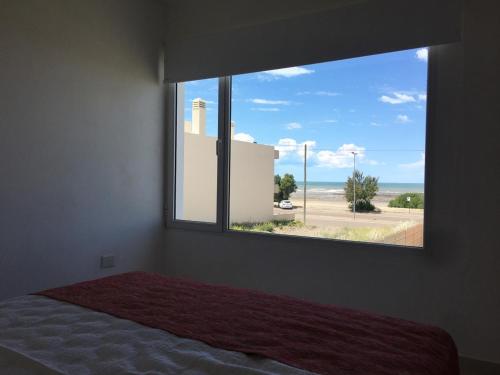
point(268, 226)
point(362, 205)
point(416, 201)
point(287, 186)
point(366, 190)
point(277, 195)
point(265, 227)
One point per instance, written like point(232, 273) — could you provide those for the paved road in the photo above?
point(334, 215)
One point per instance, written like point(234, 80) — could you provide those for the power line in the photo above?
point(285, 147)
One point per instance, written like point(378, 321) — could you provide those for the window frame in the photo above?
point(223, 169)
point(171, 155)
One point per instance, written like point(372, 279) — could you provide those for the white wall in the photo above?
point(454, 282)
point(81, 140)
point(200, 178)
point(252, 180)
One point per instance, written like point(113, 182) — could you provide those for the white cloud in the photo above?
point(326, 93)
point(397, 98)
point(286, 146)
point(293, 151)
point(402, 97)
point(269, 102)
point(415, 165)
point(342, 157)
point(402, 119)
point(244, 137)
point(377, 124)
point(289, 147)
point(266, 109)
point(422, 54)
point(310, 149)
point(294, 71)
point(293, 125)
point(327, 121)
point(319, 93)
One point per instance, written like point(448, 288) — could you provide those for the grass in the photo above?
point(363, 234)
point(367, 234)
point(268, 226)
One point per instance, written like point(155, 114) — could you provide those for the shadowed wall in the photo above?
point(81, 140)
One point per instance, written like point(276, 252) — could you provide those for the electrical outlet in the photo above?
point(107, 261)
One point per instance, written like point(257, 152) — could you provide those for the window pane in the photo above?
point(308, 141)
point(196, 158)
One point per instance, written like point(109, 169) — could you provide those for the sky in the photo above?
point(374, 106)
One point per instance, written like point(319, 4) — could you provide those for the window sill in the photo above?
point(310, 243)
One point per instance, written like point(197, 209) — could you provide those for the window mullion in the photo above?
point(224, 144)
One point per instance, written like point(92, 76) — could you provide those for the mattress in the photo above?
point(40, 335)
point(320, 338)
point(143, 323)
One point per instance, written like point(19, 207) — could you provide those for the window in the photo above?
point(333, 150)
point(196, 161)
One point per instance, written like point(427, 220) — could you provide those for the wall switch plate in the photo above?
point(107, 261)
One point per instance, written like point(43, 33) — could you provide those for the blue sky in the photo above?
point(373, 105)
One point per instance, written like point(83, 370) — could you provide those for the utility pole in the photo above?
point(354, 153)
point(305, 180)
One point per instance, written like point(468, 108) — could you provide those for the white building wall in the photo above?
point(252, 182)
point(198, 116)
point(251, 177)
point(200, 178)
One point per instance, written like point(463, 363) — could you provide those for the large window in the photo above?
point(333, 150)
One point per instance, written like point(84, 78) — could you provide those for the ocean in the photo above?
point(320, 189)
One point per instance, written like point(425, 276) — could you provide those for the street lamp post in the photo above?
point(354, 153)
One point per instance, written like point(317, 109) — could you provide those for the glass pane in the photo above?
point(308, 141)
point(196, 157)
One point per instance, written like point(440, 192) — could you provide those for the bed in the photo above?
point(143, 323)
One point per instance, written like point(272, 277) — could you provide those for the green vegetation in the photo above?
point(362, 234)
point(286, 186)
point(269, 226)
point(366, 190)
point(416, 201)
point(277, 182)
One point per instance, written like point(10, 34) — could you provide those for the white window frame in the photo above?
point(222, 170)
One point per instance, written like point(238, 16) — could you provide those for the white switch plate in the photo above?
point(107, 261)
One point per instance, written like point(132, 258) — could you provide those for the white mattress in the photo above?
point(39, 335)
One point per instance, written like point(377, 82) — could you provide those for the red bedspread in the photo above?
point(319, 338)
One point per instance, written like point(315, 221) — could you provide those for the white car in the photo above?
point(286, 204)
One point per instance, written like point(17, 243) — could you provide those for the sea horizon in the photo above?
point(325, 188)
